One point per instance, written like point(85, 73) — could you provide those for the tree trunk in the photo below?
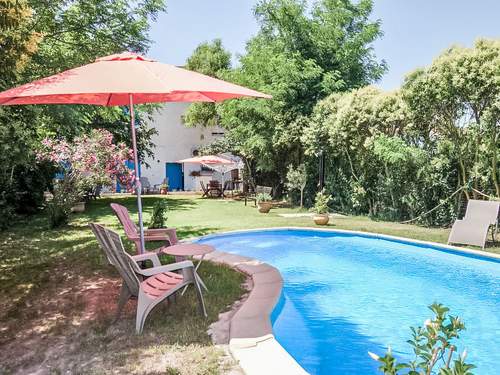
point(301, 198)
point(494, 171)
point(391, 193)
point(464, 176)
point(250, 179)
point(11, 175)
point(494, 162)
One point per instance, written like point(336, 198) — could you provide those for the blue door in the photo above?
point(174, 176)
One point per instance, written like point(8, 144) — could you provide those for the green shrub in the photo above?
point(159, 216)
point(172, 371)
point(21, 191)
point(7, 213)
point(59, 208)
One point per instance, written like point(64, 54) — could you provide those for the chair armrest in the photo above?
point(166, 268)
point(156, 231)
point(155, 237)
point(171, 233)
point(153, 257)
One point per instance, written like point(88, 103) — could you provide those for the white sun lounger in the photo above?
point(473, 228)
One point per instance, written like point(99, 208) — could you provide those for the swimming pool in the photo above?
point(347, 294)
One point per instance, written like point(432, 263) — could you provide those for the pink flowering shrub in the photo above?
point(88, 161)
point(91, 159)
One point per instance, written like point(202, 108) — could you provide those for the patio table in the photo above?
point(184, 250)
point(215, 189)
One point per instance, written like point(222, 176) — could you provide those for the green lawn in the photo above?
point(57, 294)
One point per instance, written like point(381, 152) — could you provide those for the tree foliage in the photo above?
point(18, 42)
point(213, 60)
point(397, 155)
point(299, 56)
point(39, 38)
point(458, 98)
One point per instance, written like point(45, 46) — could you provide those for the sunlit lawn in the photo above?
point(57, 294)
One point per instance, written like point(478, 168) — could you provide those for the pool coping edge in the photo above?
point(251, 339)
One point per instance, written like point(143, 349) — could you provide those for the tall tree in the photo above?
point(39, 38)
point(18, 41)
point(212, 59)
point(299, 56)
point(457, 97)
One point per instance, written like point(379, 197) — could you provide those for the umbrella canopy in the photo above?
point(217, 163)
point(208, 160)
point(126, 79)
point(110, 80)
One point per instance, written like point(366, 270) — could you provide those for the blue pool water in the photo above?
point(346, 294)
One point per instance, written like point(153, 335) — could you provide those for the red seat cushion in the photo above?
point(157, 285)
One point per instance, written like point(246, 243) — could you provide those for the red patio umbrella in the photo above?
point(208, 159)
point(126, 79)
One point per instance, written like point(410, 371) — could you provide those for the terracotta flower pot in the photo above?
point(78, 207)
point(264, 207)
point(321, 219)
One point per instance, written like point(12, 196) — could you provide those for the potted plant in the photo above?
point(164, 189)
point(264, 202)
point(320, 209)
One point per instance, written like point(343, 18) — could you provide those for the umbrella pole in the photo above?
point(137, 178)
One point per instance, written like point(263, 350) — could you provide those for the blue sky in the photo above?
point(415, 31)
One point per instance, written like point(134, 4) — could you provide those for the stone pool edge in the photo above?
point(251, 339)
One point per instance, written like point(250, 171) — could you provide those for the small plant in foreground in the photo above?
point(159, 216)
point(321, 203)
point(432, 345)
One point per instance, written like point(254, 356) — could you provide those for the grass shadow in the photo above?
point(188, 231)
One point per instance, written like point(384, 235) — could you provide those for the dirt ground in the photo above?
point(68, 328)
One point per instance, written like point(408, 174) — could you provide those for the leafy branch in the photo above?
point(432, 345)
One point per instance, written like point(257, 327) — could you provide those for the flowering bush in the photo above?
point(91, 159)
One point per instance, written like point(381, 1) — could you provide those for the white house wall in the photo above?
point(176, 141)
